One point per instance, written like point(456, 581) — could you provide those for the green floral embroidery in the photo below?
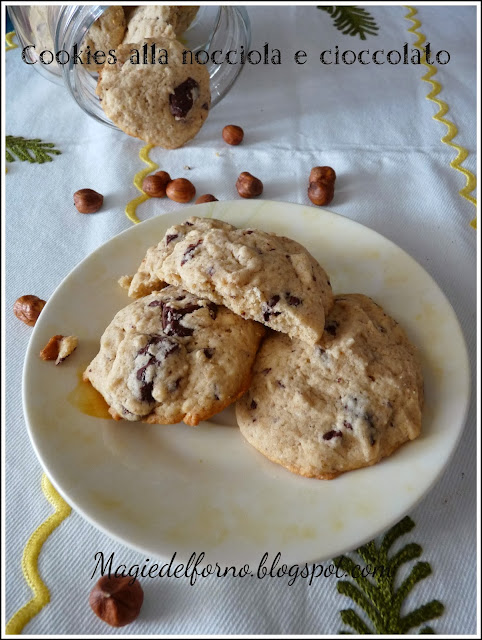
point(353, 21)
point(378, 597)
point(23, 148)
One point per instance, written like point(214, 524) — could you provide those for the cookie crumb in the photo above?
point(125, 282)
point(67, 346)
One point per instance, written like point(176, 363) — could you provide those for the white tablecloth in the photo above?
point(374, 125)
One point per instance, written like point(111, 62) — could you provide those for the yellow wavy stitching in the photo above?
point(470, 180)
point(30, 560)
point(10, 43)
point(138, 178)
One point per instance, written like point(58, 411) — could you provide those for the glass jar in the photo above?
point(58, 27)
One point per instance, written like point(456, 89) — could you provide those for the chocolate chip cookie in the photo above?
point(104, 35)
point(258, 275)
point(164, 102)
point(152, 21)
point(344, 403)
point(172, 356)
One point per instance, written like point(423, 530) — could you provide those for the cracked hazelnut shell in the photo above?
point(207, 197)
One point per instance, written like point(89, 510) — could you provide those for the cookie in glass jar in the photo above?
point(155, 93)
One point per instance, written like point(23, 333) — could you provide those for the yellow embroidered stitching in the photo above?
point(452, 131)
point(10, 43)
point(30, 560)
point(138, 178)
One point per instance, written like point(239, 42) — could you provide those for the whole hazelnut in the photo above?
point(28, 308)
point(180, 190)
point(116, 601)
point(322, 174)
point(232, 134)
point(155, 185)
point(207, 197)
point(248, 186)
point(321, 193)
point(88, 200)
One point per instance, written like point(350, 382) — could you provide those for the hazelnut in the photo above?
point(155, 185)
point(207, 197)
point(248, 186)
point(321, 193)
point(322, 174)
point(52, 348)
point(232, 134)
point(88, 200)
point(116, 600)
point(180, 190)
point(28, 308)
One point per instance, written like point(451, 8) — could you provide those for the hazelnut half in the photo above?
point(180, 190)
point(321, 193)
point(88, 200)
point(207, 197)
point(248, 186)
point(322, 174)
point(28, 308)
point(232, 134)
point(116, 601)
point(52, 348)
point(155, 185)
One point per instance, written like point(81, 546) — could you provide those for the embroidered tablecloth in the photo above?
point(402, 138)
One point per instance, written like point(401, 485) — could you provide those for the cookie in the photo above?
point(128, 11)
point(258, 275)
point(345, 403)
point(162, 104)
point(39, 27)
point(182, 17)
point(154, 21)
point(105, 35)
point(172, 356)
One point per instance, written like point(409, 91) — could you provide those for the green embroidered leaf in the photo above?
point(409, 552)
point(420, 571)
point(373, 612)
point(368, 552)
point(378, 597)
point(350, 618)
point(403, 527)
point(353, 21)
point(29, 150)
point(422, 614)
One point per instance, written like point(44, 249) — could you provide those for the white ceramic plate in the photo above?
point(166, 489)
